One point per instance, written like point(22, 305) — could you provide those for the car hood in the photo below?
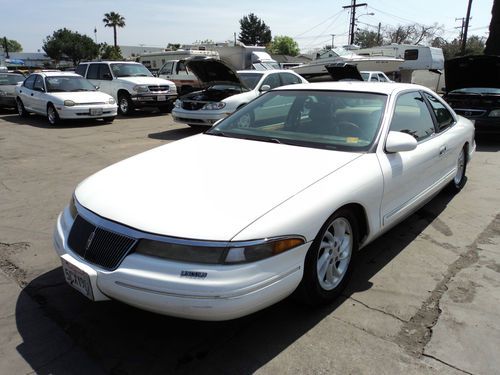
point(472, 71)
point(205, 187)
point(145, 80)
point(210, 71)
point(82, 96)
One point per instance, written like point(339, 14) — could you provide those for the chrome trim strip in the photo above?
point(138, 234)
point(417, 198)
point(234, 295)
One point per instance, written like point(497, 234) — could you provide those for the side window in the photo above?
point(411, 54)
point(272, 80)
point(443, 116)
point(382, 78)
point(38, 86)
point(374, 78)
point(289, 79)
point(412, 116)
point(80, 69)
point(93, 71)
point(104, 72)
point(30, 81)
point(167, 68)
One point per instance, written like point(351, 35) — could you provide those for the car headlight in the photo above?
point(494, 113)
point(3, 93)
point(214, 106)
point(177, 104)
point(141, 88)
point(111, 101)
point(69, 103)
point(233, 253)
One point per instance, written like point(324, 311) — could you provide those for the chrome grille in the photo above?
point(470, 113)
point(98, 245)
point(192, 105)
point(158, 88)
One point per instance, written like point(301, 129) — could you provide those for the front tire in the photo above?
point(52, 115)
point(459, 180)
point(328, 263)
point(20, 108)
point(125, 105)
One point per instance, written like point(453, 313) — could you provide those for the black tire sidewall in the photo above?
point(311, 290)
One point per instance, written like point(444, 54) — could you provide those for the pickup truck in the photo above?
point(131, 84)
point(177, 72)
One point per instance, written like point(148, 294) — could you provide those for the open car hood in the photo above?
point(472, 71)
point(210, 71)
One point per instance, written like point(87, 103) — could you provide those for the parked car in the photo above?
point(374, 76)
point(131, 84)
point(63, 96)
point(225, 90)
point(8, 83)
point(283, 205)
point(473, 90)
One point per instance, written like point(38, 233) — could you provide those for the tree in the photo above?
point(108, 52)
point(173, 46)
point(412, 34)
point(474, 46)
point(284, 45)
point(253, 31)
point(367, 39)
point(73, 45)
point(113, 20)
point(12, 45)
point(493, 42)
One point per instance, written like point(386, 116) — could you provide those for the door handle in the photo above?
point(442, 150)
point(31, 94)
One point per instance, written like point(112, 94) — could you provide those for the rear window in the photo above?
point(80, 69)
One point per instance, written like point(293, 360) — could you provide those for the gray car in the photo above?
point(8, 83)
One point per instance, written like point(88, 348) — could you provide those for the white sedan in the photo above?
point(225, 223)
point(63, 96)
point(225, 91)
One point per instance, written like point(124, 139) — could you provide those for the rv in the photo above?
point(155, 60)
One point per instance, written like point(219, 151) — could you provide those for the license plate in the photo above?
point(77, 278)
point(95, 111)
point(162, 98)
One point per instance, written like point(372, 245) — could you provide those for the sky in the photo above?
point(155, 23)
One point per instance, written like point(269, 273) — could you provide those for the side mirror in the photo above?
point(400, 142)
point(40, 89)
point(97, 87)
point(264, 88)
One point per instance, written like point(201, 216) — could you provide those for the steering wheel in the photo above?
point(348, 129)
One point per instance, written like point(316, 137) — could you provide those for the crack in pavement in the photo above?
point(375, 309)
point(417, 332)
point(447, 364)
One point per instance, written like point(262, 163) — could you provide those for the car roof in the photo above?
point(58, 74)
point(109, 62)
point(267, 71)
point(387, 88)
point(11, 74)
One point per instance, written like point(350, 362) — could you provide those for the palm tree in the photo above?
point(113, 20)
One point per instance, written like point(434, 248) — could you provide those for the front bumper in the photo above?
point(199, 117)
point(153, 100)
point(153, 284)
point(7, 101)
point(87, 111)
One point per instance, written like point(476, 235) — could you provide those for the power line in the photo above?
point(319, 24)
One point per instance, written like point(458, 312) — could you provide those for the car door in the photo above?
point(105, 78)
point(26, 91)
point(409, 177)
point(93, 75)
point(39, 95)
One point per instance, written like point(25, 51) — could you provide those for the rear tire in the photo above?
point(460, 178)
point(125, 105)
point(329, 261)
point(52, 115)
point(21, 111)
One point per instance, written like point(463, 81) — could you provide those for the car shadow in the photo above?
point(124, 340)
point(39, 121)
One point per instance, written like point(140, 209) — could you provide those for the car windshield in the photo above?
point(477, 90)
point(250, 80)
point(68, 84)
point(336, 120)
point(10, 79)
point(130, 70)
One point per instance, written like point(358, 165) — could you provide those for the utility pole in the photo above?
point(378, 33)
point(333, 36)
point(466, 28)
point(461, 28)
point(6, 47)
point(353, 7)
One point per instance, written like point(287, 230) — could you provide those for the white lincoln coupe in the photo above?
point(277, 198)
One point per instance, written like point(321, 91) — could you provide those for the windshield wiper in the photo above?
point(80, 90)
point(217, 133)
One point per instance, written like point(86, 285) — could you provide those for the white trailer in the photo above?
point(423, 65)
point(155, 60)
